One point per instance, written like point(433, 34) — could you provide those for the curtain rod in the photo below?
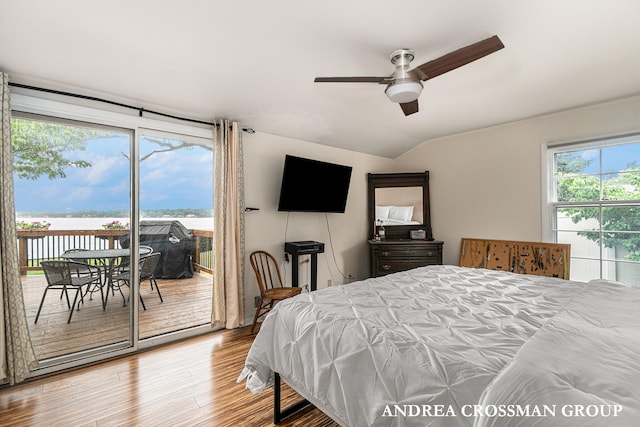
point(106, 101)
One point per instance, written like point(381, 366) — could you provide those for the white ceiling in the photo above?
point(255, 61)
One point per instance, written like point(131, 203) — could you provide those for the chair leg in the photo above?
point(78, 290)
point(66, 294)
point(41, 302)
point(142, 302)
point(154, 282)
point(255, 317)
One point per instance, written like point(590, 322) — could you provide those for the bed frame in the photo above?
point(278, 413)
point(539, 258)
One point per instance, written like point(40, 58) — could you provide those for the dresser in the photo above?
point(399, 202)
point(391, 256)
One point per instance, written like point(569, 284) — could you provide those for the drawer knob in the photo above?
point(386, 267)
point(430, 253)
point(385, 253)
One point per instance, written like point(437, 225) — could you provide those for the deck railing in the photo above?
point(38, 245)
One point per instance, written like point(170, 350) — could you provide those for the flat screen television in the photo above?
point(313, 186)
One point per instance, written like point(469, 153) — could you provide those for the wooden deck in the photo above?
point(187, 303)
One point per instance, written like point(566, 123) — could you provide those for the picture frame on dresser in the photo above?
point(400, 203)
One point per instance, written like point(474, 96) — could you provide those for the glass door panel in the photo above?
point(72, 193)
point(176, 221)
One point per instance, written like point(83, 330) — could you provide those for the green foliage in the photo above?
point(38, 147)
point(35, 225)
point(624, 185)
point(115, 225)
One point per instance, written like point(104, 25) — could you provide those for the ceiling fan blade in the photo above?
point(351, 80)
point(409, 107)
point(460, 57)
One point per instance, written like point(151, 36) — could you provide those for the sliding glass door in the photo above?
point(124, 204)
point(72, 184)
point(176, 221)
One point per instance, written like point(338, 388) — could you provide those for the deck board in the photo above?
point(187, 303)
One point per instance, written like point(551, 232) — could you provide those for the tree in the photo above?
point(613, 220)
point(38, 147)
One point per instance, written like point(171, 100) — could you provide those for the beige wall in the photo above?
point(487, 183)
point(265, 229)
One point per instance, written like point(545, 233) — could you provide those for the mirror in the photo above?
point(401, 202)
point(399, 206)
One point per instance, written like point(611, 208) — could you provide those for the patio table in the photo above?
point(108, 258)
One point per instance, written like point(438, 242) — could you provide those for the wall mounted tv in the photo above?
point(313, 186)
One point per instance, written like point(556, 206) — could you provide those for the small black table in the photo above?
point(307, 247)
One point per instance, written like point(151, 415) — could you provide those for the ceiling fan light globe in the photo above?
point(402, 92)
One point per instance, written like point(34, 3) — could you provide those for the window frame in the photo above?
point(549, 189)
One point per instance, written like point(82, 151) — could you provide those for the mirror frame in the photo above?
point(388, 180)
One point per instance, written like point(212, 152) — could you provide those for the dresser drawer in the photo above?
point(407, 252)
point(394, 256)
point(395, 265)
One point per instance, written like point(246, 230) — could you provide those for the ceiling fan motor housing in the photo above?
point(406, 86)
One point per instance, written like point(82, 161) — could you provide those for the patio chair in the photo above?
point(125, 261)
point(82, 268)
point(62, 275)
point(147, 266)
point(270, 283)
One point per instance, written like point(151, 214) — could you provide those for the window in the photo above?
point(594, 204)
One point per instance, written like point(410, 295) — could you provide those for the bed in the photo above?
point(457, 346)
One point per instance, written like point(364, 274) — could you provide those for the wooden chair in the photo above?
point(62, 275)
point(270, 283)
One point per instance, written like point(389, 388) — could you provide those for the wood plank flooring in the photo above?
point(188, 383)
point(187, 303)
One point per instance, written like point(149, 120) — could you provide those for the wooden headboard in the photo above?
point(539, 258)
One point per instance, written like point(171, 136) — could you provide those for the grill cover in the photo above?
point(175, 243)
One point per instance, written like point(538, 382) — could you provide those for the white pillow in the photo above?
point(401, 213)
point(382, 212)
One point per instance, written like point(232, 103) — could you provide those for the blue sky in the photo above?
point(172, 180)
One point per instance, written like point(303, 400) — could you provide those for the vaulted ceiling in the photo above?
point(255, 61)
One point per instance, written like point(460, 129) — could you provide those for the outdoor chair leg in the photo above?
point(74, 304)
point(66, 294)
point(153, 281)
point(41, 303)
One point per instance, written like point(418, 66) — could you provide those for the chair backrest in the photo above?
point(57, 272)
point(148, 265)
point(145, 250)
point(266, 269)
point(71, 251)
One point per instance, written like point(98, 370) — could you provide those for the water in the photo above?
point(96, 223)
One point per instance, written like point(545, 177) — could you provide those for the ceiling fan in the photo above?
point(404, 86)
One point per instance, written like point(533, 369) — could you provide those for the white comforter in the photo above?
point(450, 346)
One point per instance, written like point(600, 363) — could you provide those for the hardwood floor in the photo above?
point(189, 383)
point(187, 303)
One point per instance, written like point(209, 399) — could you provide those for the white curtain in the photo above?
point(228, 232)
point(17, 357)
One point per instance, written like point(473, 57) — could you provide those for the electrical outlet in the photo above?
point(350, 278)
point(329, 283)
